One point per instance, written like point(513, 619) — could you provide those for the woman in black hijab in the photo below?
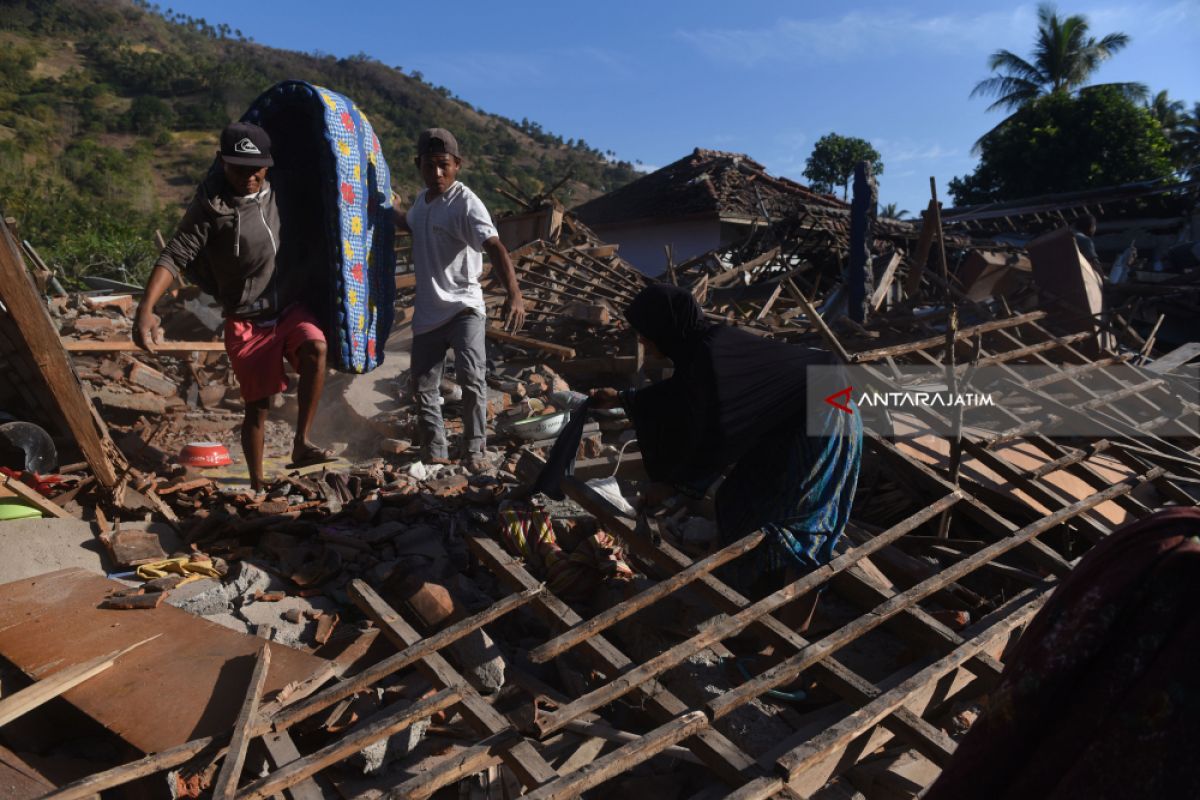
point(740, 400)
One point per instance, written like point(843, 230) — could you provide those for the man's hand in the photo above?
point(514, 312)
point(147, 333)
point(605, 398)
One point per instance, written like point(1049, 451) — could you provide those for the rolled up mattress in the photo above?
point(322, 139)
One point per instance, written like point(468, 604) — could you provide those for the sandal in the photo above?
point(310, 457)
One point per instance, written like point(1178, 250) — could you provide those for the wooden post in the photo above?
point(46, 351)
point(231, 769)
point(859, 278)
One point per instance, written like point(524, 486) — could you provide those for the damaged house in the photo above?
point(383, 628)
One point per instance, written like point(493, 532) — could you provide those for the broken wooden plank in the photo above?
point(34, 498)
point(47, 689)
point(1175, 359)
point(231, 767)
point(610, 616)
point(520, 757)
point(621, 759)
point(885, 281)
point(384, 726)
point(40, 338)
point(534, 344)
point(717, 752)
point(87, 788)
point(298, 711)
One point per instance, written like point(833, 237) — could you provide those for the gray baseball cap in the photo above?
point(437, 140)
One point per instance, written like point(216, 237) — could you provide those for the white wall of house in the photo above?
point(642, 244)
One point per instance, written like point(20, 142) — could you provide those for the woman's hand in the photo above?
point(605, 398)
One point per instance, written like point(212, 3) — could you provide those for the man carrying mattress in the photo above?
point(451, 229)
point(230, 244)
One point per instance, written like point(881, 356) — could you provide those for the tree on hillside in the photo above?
point(1061, 143)
point(833, 160)
point(1063, 61)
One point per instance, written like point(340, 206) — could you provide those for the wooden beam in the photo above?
point(450, 769)
point(885, 281)
point(290, 715)
point(125, 346)
point(611, 616)
point(40, 337)
point(525, 762)
point(621, 759)
point(718, 753)
point(89, 787)
point(381, 727)
point(718, 630)
point(924, 242)
point(930, 740)
point(534, 344)
point(281, 751)
point(231, 768)
point(863, 719)
point(793, 666)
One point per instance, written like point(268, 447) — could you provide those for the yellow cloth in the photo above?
point(192, 570)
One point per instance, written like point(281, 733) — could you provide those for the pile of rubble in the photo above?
point(432, 628)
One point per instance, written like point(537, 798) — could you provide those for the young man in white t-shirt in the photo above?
point(451, 229)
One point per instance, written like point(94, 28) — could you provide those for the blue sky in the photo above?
point(651, 80)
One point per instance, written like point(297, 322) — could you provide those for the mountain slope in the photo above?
point(109, 112)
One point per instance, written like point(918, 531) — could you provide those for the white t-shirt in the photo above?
point(448, 236)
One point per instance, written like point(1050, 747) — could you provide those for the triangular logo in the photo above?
point(248, 147)
point(844, 394)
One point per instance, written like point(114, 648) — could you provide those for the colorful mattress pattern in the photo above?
point(356, 191)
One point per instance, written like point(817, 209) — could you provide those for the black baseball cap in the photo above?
point(437, 140)
point(246, 144)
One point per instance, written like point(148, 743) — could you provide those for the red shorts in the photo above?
point(257, 351)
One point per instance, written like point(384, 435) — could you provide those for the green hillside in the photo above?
point(109, 112)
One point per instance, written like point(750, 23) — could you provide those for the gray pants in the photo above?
point(465, 335)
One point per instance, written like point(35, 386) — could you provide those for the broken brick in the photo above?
point(325, 625)
point(393, 446)
point(150, 378)
point(134, 601)
point(448, 487)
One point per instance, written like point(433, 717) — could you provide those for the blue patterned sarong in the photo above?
point(798, 489)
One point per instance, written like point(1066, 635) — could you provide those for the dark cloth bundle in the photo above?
point(729, 388)
point(1098, 699)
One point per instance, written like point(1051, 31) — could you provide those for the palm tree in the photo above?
point(1168, 112)
point(1064, 58)
point(891, 212)
point(1187, 143)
